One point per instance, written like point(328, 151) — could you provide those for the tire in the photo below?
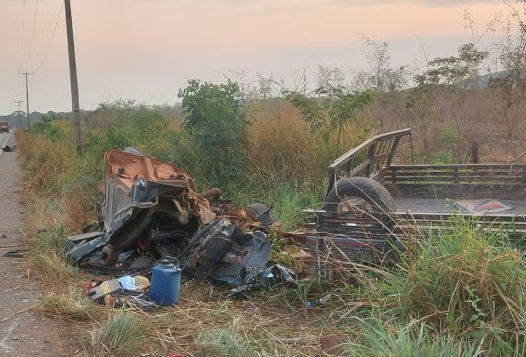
point(375, 196)
point(213, 194)
point(256, 212)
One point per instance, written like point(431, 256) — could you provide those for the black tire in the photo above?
point(256, 212)
point(369, 190)
point(212, 195)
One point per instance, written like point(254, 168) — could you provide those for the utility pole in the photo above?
point(19, 112)
point(73, 77)
point(27, 96)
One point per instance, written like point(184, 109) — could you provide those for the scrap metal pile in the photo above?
point(152, 211)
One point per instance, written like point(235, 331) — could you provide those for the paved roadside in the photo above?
point(21, 333)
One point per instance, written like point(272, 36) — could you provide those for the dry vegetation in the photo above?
point(62, 198)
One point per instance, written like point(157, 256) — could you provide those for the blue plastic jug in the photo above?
point(166, 282)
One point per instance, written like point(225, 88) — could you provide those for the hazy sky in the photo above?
point(147, 49)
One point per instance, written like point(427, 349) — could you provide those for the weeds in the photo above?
point(121, 334)
point(380, 338)
point(52, 240)
point(229, 343)
point(73, 305)
point(53, 268)
point(465, 277)
point(48, 255)
point(288, 199)
point(463, 287)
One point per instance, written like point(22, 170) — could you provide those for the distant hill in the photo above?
point(172, 112)
point(484, 80)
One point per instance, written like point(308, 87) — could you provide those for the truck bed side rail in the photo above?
point(367, 159)
point(456, 181)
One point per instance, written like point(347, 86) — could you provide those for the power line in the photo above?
point(21, 46)
point(51, 39)
point(32, 36)
point(23, 34)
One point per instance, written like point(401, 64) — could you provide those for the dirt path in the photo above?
point(26, 333)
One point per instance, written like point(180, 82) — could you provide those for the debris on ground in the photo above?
point(484, 206)
point(8, 148)
point(125, 291)
point(14, 254)
point(305, 340)
point(152, 211)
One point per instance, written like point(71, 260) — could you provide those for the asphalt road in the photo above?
point(22, 331)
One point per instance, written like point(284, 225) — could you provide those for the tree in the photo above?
point(510, 83)
point(329, 111)
point(386, 80)
point(381, 76)
point(453, 75)
point(214, 115)
point(455, 70)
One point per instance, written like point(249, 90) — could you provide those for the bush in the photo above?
point(214, 115)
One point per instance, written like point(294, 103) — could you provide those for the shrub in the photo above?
point(215, 117)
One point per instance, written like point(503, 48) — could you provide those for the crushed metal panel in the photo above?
point(131, 179)
point(83, 250)
point(251, 261)
point(138, 188)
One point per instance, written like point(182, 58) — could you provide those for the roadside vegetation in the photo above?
point(459, 293)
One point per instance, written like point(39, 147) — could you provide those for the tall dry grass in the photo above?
point(283, 145)
point(54, 188)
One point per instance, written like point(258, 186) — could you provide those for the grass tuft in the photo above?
point(380, 338)
point(228, 342)
point(73, 305)
point(121, 334)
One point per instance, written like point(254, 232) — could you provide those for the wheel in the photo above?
point(360, 193)
point(258, 212)
point(212, 195)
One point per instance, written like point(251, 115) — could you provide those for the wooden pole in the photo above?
point(73, 77)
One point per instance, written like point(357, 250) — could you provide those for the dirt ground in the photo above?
point(22, 331)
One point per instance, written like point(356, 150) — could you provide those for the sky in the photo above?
point(146, 50)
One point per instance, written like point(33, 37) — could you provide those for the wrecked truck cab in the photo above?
point(146, 201)
point(152, 211)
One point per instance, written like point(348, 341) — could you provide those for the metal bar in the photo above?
point(351, 152)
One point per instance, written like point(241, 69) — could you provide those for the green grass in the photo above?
point(48, 254)
point(462, 285)
point(120, 335)
point(380, 338)
point(287, 198)
point(228, 343)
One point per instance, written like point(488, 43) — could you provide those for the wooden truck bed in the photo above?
point(429, 192)
point(444, 206)
point(424, 196)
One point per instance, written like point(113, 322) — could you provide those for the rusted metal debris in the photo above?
point(152, 210)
